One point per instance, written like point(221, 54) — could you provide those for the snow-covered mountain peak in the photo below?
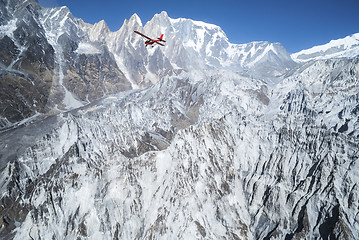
point(197, 23)
point(347, 42)
point(163, 14)
point(134, 23)
point(344, 47)
point(160, 23)
point(190, 44)
point(185, 26)
point(135, 19)
point(98, 31)
point(101, 25)
point(57, 12)
point(210, 44)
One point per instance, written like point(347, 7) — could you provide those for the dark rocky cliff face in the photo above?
point(39, 63)
point(27, 65)
point(93, 76)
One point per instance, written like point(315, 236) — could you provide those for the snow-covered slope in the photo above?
point(337, 79)
point(212, 154)
point(345, 47)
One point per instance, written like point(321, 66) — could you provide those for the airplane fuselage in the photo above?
point(151, 41)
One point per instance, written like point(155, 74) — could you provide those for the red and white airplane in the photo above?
point(151, 41)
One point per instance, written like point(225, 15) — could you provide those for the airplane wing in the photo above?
point(160, 43)
point(142, 35)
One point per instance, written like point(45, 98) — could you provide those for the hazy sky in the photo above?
point(297, 24)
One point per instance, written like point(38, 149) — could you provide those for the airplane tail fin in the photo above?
point(161, 38)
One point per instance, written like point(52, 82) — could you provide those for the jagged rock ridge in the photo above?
point(53, 61)
point(112, 170)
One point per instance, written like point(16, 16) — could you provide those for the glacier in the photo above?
point(201, 155)
point(214, 141)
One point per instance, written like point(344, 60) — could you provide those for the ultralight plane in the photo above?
point(151, 41)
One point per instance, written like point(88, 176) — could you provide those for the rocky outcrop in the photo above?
point(42, 68)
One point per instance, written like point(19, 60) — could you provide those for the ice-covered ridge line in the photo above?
point(59, 10)
point(198, 23)
point(342, 45)
point(346, 42)
point(199, 29)
point(265, 51)
point(247, 55)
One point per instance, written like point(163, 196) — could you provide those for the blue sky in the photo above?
point(297, 24)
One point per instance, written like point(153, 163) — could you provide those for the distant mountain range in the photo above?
point(55, 61)
point(103, 138)
point(345, 47)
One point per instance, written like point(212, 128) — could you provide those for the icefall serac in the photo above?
point(173, 161)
